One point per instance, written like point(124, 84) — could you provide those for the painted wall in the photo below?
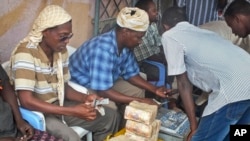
point(17, 16)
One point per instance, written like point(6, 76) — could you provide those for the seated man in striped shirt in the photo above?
point(203, 58)
point(39, 67)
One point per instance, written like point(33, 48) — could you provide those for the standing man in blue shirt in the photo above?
point(107, 65)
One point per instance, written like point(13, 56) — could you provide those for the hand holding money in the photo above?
point(97, 104)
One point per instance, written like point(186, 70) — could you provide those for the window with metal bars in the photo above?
point(107, 10)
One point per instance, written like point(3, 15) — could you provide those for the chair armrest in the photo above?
point(37, 120)
point(80, 131)
point(34, 118)
point(71, 50)
point(78, 87)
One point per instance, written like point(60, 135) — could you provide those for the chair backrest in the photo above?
point(6, 67)
point(71, 50)
point(161, 80)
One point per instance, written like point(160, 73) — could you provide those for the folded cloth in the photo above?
point(141, 112)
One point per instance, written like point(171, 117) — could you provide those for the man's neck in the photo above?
point(48, 52)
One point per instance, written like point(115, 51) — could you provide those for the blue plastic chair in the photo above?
point(162, 72)
point(162, 75)
point(35, 119)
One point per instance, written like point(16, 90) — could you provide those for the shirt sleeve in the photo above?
point(174, 52)
point(23, 70)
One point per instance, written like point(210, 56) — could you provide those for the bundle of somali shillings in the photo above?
point(141, 124)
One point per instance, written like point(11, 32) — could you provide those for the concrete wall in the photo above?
point(17, 16)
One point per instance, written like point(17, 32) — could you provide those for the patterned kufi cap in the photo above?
point(133, 18)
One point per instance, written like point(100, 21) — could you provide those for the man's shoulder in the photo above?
point(99, 39)
point(102, 42)
point(107, 37)
point(216, 26)
point(22, 48)
point(179, 28)
point(153, 27)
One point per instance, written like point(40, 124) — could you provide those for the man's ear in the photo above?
point(166, 27)
point(45, 32)
point(242, 19)
point(236, 19)
point(125, 32)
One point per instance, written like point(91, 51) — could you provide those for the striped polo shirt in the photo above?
point(32, 71)
point(212, 63)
